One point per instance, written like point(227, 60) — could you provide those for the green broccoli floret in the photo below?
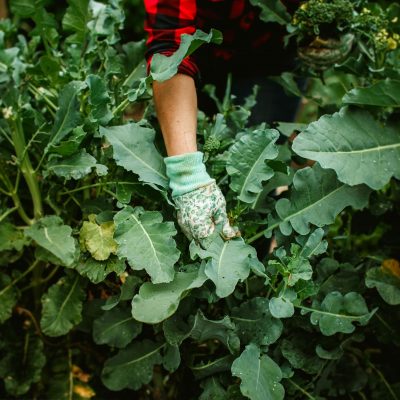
point(312, 15)
point(211, 144)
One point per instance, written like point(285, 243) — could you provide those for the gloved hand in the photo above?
point(200, 202)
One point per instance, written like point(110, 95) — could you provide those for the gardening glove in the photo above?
point(200, 202)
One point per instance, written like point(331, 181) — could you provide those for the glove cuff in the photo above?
point(186, 172)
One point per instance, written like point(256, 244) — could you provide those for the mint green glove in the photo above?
point(200, 202)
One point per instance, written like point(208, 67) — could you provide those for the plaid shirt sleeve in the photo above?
point(166, 21)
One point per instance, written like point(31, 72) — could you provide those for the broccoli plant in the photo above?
point(101, 294)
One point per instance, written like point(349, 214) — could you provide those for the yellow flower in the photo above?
point(391, 266)
point(7, 112)
point(394, 20)
point(84, 391)
point(392, 44)
point(365, 11)
point(304, 6)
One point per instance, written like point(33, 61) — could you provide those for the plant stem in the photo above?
point(332, 314)
point(8, 212)
point(385, 324)
point(383, 379)
point(308, 395)
point(5, 192)
point(97, 185)
point(26, 272)
point(14, 196)
point(48, 277)
point(261, 234)
point(35, 91)
point(26, 345)
point(70, 376)
point(5, 134)
point(26, 167)
point(121, 107)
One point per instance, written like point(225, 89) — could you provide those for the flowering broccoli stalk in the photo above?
point(323, 18)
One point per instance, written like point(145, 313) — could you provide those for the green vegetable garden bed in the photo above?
point(102, 297)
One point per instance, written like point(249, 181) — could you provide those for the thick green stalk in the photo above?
point(12, 192)
point(26, 168)
point(30, 177)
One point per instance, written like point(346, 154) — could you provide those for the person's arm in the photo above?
point(201, 204)
point(176, 106)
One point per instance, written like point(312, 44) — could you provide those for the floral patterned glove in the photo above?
point(200, 202)
point(201, 210)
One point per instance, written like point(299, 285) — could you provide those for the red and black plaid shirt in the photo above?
point(243, 32)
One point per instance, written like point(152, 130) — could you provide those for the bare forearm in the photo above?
point(176, 106)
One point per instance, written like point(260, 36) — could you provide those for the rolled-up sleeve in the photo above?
point(166, 21)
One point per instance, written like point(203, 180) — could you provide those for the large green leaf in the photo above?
point(75, 20)
point(317, 198)
point(164, 67)
point(22, 365)
point(8, 297)
point(228, 262)
point(223, 330)
point(337, 313)
point(260, 375)
point(246, 162)
point(50, 233)
point(255, 324)
point(387, 285)
point(98, 239)
point(99, 99)
point(382, 94)
point(272, 11)
point(96, 271)
point(116, 328)
point(68, 115)
point(156, 302)
point(76, 166)
point(300, 352)
point(353, 143)
point(133, 149)
point(147, 242)
point(62, 305)
point(25, 8)
point(132, 366)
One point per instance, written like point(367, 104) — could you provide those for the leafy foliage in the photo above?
point(101, 295)
point(154, 249)
point(62, 305)
point(371, 144)
point(132, 366)
point(247, 163)
point(318, 197)
point(260, 375)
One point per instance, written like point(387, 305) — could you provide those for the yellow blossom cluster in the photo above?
point(382, 39)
